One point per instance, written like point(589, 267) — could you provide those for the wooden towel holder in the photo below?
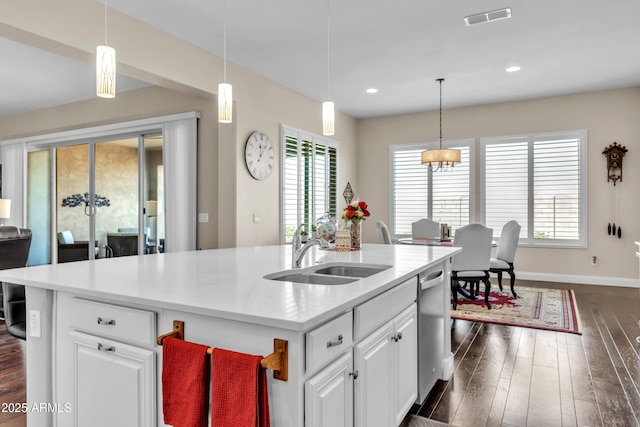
point(278, 361)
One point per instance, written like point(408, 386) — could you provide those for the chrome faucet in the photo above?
point(298, 249)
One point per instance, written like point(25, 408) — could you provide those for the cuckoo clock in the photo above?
point(614, 154)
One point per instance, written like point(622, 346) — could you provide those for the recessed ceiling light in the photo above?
point(372, 90)
point(512, 69)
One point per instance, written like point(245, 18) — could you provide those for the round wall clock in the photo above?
point(258, 155)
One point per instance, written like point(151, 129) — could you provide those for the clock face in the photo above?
point(259, 156)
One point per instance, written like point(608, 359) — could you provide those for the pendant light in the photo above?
point(225, 91)
point(442, 158)
point(328, 112)
point(105, 66)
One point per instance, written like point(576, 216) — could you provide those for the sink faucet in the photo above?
point(298, 249)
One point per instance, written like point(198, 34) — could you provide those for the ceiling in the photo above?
point(400, 48)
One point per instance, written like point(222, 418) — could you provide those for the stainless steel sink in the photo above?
point(328, 274)
point(352, 270)
point(312, 279)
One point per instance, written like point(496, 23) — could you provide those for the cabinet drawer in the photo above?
point(113, 321)
point(381, 309)
point(328, 341)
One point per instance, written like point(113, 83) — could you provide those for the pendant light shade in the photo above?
point(105, 72)
point(105, 65)
point(225, 103)
point(442, 158)
point(225, 91)
point(328, 118)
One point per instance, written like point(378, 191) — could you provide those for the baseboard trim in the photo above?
point(586, 280)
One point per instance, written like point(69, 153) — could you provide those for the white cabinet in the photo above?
point(329, 395)
point(374, 382)
point(113, 382)
point(387, 369)
point(106, 364)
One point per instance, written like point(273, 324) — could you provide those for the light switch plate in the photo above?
point(203, 217)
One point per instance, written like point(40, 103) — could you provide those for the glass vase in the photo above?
point(356, 235)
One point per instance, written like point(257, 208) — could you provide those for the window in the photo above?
point(540, 181)
point(309, 179)
point(416, 192)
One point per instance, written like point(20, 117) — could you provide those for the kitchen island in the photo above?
point(92, 329)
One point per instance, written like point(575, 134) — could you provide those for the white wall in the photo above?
point(608, 116)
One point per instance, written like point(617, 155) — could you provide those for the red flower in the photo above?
point(363, 206)
point(351, 213)
point(366, 212)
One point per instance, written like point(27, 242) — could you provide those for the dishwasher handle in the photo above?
point(431, 279)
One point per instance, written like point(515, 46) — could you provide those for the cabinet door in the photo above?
point(406, 351)
point(329, 395)
point(374, 385)
point(113, 383)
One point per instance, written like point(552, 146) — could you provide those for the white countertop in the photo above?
point(229, 283)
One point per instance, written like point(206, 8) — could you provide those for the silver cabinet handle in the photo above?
point(397, 337)
point(354, 374)
point(335, 343)
point(102, 321)
point(105, 348)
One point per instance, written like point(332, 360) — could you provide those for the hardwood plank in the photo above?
point(544, 399)
point(517, 405)
point(499, 402)
point(567, 403)
point(546, 349)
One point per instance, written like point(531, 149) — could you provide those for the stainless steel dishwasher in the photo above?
point(431, 328)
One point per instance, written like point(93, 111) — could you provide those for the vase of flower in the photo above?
point(356, 235)
point(353, 215)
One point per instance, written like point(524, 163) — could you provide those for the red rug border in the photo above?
point(576, 318)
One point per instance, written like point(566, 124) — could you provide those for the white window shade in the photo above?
point(417, 192)
point(540, 181)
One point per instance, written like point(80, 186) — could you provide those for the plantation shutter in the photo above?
point(556, 189)
point(507, 185)
point(443, 196)
point(309, 179)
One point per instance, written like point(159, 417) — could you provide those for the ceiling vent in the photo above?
point(494, 15)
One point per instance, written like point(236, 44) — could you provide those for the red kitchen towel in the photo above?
point(239, 395)
point(185, 383)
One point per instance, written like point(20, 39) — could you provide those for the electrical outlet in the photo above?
point(203, 217)
point(34, 324)
point(594, 261)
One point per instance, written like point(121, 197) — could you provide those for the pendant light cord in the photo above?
point(105, 23)
point(224, 41)
point(440, 80)
point(328, 46)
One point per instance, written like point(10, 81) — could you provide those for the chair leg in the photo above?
point(499, 273)
point(513, 281)
point(455, 285)
point(487, 291)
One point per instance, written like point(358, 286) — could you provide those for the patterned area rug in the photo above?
point(551, 309)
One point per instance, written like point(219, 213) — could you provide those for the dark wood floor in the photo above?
point(12, 378)
point(504, 375)
point(510, 376)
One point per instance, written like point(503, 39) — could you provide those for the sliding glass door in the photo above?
point(105, 192)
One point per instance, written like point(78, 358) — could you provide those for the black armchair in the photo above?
point(14, 253)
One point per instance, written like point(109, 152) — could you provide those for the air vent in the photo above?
point(494, 15)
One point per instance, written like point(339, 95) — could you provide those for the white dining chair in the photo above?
point(473, 263)
point(382, 231)
point(506, 253)
point(425, 228)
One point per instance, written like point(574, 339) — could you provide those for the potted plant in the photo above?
point(304, 235)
